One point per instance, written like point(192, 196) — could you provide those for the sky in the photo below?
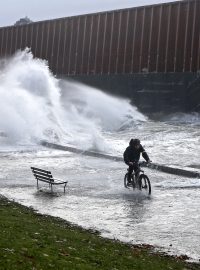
point(38, 10)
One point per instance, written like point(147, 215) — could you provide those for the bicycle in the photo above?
point(141, 182)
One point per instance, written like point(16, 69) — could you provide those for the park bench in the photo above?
point(46, 176)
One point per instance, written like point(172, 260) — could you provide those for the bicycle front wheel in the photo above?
point(126, 180)
point(144, 184)
point(128, 184)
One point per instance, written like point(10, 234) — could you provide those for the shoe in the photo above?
point(129, 183)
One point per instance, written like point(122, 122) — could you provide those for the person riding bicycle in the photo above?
point(132, 156)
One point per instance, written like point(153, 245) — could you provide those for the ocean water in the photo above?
point(36, 106)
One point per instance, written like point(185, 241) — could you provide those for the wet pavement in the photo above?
point(95, 198)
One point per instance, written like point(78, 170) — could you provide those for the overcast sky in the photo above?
point(38, 10)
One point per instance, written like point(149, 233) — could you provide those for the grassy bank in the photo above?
point(32, 241)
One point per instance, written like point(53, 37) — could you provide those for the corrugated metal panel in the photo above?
point(86, 44)
point(160, 16)
point(106, 43)
point(8, 40)
point(122, 42)
point(177, 26)
point(40, 47)
point(28, 33)
point(3, 44)
point(113, 42)
point(100, 43)
point(150, 38)
point(38, 39)
point(93, 44)
point(56, 48)
point(188, 37)
point(192, 34)
point(154, 39)
point(50, 43)
point(157, 38)
point(79, 44)
point(72, 46)
point(144, 51)
point(61, 48)
point(181, 38)
point(34, 43)
point(77, 56)
point(91, 37)
point(57, 45)
point(66, 41)
point(131, 26)
point(137, 41)
point(162, 39)
point(141, 52)
point(195, 39)
point(44, 42)
point(172, 39)
point(1, 40)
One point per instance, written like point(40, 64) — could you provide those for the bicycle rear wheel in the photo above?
point(144, 184)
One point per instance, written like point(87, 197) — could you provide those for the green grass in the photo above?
point(33, 241)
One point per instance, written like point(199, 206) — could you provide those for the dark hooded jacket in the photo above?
point(132, 154)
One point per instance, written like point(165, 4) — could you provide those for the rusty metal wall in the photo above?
point(157, 38)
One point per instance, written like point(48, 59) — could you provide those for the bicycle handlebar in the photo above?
point(143, 163)
point(140, 163)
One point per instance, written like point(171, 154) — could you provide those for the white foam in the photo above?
point(34, 105)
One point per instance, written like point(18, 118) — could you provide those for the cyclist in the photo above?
point(132, 156)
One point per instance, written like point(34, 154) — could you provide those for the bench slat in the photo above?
point(43, 174)
point(38, 177)
point(40, 170)
point(58, 183)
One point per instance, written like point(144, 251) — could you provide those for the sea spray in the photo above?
point(110, 112)
point(29, 98)
point(35, 106)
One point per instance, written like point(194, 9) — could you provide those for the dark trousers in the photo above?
point(135, 168)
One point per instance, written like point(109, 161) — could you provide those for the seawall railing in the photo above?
point(154, 166)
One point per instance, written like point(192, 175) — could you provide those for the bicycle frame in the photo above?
point(138, 180)
point(135, 176)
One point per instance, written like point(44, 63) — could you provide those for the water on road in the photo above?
point(36, 106)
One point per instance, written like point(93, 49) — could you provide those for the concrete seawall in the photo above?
point(150, 92)
point(162, 168)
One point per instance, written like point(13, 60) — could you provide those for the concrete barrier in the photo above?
point(154, 166)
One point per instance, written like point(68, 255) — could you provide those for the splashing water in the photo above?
point(180, 118)
point(29, 97)
point(35, 105)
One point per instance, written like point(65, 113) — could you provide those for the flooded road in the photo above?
point(95, 198)
point(35, 106)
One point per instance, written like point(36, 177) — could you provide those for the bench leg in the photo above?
point(37, 185)
point(64, 187)
point(51, 188)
